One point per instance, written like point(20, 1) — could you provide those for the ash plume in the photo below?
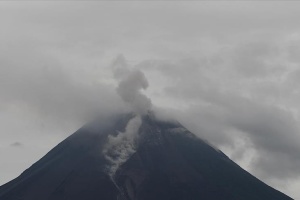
point(119, 148)
point(131, 82)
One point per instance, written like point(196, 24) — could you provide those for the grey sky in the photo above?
point(229, 71)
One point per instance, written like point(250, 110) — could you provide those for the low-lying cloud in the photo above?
point(240, 94)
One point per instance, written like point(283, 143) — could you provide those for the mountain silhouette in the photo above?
point(169, 163)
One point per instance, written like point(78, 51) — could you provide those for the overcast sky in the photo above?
point(229, 71)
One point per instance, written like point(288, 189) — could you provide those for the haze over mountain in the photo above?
point(135, 156)
point(130, 157)
point(228, 71)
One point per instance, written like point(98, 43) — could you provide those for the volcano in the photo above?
point(168, 163)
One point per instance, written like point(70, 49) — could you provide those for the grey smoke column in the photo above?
point(131, 83)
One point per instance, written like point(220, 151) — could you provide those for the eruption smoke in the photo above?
point(119, 148)
point(131, 82)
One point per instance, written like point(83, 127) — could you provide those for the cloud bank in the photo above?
point(227, 70)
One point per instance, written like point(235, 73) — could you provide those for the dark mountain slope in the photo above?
point(74, 169)
point(179, 166)
point(170, 164)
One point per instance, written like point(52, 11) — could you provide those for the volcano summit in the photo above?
point(136, 158)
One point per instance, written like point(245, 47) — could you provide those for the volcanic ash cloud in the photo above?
point(119, 148)
point(131, 84)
